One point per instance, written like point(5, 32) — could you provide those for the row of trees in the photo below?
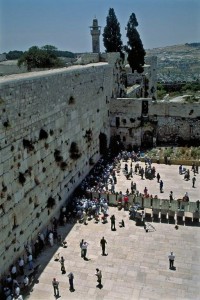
point(15, 54)
point(113, 43)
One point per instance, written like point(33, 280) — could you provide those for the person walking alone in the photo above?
point(84, 249)
point(193, 181)
point(62, 265)
point(99, 277)
point(71, 282)
point(81, 243)
point(112, 218)
point(158, 177)
point(55, 284)
point(161, 186)
point(103, 245)
point(171, 260)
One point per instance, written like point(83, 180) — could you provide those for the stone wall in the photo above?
point(43, 115)
point(164, 121)
point(50, 124)
point(87, 58)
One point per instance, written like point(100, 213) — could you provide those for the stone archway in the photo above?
point(147, 141)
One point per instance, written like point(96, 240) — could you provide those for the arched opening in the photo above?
point(147, 139)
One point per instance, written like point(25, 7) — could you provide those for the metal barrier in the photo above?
point(112, 199)
point(182, 211)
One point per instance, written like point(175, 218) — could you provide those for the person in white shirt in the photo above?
point(171, 260)
point(13, 272)
point(26, 281)
point(17, 290)
point(30, 261)
point(99, 277)
point(84, 249)
point(51, 238)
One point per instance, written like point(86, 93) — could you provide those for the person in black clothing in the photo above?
point(158, 177)
point(71, 282)
point(37, 248)
point(62, 265)
point(103, 245)
point(112, 218)
point(161, 186)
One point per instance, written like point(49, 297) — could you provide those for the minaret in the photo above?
point(95, 31)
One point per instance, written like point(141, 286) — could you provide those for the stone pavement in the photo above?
point(136, 266)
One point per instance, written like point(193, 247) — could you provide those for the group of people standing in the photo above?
point(83, 247)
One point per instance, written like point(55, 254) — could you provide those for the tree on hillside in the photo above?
point(112, 36)
point(136, 52)
point(14, 54)
point(49, 48)
point(37, 57)
point(58, 53)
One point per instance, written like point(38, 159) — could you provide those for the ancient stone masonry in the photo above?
point(145, 122)
point(49, 134)
point(54, 126)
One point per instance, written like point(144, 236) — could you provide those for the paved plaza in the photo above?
point(136, 266)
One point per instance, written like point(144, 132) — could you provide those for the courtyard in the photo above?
point(136, 266)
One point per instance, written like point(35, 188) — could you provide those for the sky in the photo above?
point(65, 23)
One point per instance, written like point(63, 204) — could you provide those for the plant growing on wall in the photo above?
point(51, 202)
point(51, 132)
point(74, 151)
point(57, 156)
point(88, 135)
point(21, 178)
point(71, 100)
point(63, 165)
point(6, 123)
point(28, 145)
point(43, 134)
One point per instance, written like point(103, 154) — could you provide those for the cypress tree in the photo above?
point(136, 52)
point(111, 35)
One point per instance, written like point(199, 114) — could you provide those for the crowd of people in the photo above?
point(102, 179)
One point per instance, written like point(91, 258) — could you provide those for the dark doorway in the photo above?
point(102, 143)
point(117, 122)
point(147, 139)
point(145, 107)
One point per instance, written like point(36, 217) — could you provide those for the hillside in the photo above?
point(178, 62)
